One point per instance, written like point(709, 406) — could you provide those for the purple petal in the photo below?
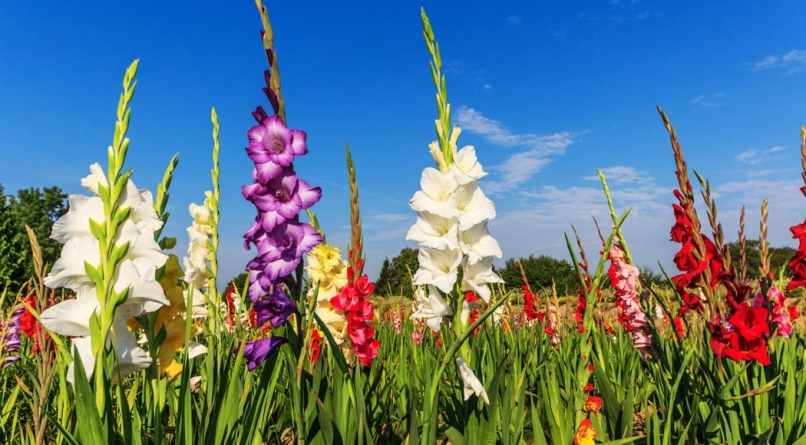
point(298, 142)
point(275, 309)
point(253, 191)
point(256, 352)
point(266, 171)
point(308, 195)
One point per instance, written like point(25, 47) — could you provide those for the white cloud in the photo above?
point(519, 167)
point(753, 156)
point(792, 61)
point(621, 175)
point(487, 87)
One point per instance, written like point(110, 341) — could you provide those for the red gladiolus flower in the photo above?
point(592, 404)
point(316, 345)
point(588, 387)
point(585, 433)
point(793, 312)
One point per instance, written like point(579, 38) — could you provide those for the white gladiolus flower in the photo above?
point(466, 167)
point(471, 382)
point(476, 276)
point(437, 194)
point(438, 267)
point(451, 227)
point(72, 318)
point(431, 307)
point(434, 231)
point(134, 276)
point(199, 233)
point(195, 383)
point(477, 243)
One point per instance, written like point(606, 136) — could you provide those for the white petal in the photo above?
point(476, 243)
point(70, 317)
point(431, 307)
point(130, 357)
point(68, 270)
point(141, 242)
point(436, 195)
point(195, 383)
point(473, 206)
point(145, 293)
point(76, 222)
point(476, 276)
point(196, 349)
point(472, 385)
point(438, 267)
point(466, 167)
point(434, 231)
point(97, 176)
point(142, 205)
point(82, 346)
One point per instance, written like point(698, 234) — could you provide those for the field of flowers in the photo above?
point(121, 341)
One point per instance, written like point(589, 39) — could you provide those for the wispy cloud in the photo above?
point(487, 87)
point(622, 175)
point(514, 20)
point(792, 61)
point(708, 101)
point(753, 156)
point(519, 167)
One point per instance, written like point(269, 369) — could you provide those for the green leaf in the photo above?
point(88, 420)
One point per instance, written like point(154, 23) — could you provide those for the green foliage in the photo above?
point(540, 271)
point(38, 209)
point(239, 282)
point(395, 276)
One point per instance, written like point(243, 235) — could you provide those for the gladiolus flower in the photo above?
point(472, 385)
point(431, 307)
point(585, 433)
point(592, 404)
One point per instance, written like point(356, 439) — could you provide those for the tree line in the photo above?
point(38, 209)
point(542, 271)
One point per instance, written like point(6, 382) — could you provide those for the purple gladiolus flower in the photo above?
point(275, 309)
point(280, 199)
point(280, 251)
point(11, 336)
point(273, 146)
point(255, 352)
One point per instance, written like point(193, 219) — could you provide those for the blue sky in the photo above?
point(545, 91)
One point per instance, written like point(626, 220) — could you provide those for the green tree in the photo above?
point(395, 276)
point(38, 209)
point(540, 271)
point(239, 281)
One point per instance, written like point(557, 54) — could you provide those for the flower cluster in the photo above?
point(741, 336)
point(695, 267)
point(352, 301)
point(327, 270)
point(134, 277)
point(624, 277)
point(279, 237)
point(585, 433)
point(798, 262)
point(11, 336)
point(451, 229)
point(780, 315)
